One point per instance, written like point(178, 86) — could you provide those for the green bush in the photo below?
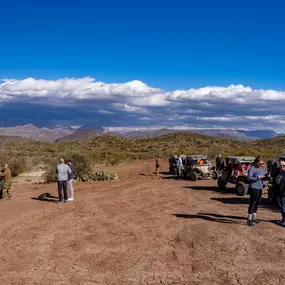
point(99, 175)
point(81, 164)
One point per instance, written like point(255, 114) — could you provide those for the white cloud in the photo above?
point(105, 112)
point(235, 105)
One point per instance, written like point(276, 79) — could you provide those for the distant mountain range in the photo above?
point(34, 133)
point(58, 134)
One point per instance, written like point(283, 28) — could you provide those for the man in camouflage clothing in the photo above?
point(7, 178)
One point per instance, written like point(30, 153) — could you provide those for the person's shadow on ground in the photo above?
point(225, 219)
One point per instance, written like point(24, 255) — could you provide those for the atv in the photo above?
point(235, 172)
point(199, 167)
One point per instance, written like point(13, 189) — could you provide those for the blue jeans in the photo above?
point(282, 206)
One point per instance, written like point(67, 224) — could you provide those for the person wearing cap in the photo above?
point(7, 177)
point(70, 182)
point(256, 177)
point(62, 172)
point(280, 181)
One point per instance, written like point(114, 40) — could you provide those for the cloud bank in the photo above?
point(78, 101)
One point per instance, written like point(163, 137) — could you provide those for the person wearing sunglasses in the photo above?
point(280, 180)
point(256, 176)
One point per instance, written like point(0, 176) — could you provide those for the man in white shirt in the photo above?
point(179, 166)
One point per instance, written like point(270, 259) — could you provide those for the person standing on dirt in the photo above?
point(157, 165)
point(256, 176)
point(70, 187)
point(7, 177)
point(62, 171)
point(219, 162)
point(179, 165)
point(275, 171)
point(280, 183)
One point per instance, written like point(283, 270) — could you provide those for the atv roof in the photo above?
point(181, 155)
point(197, 156)
point(242, 158)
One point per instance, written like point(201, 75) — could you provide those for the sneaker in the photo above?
point(251, 223)
point(282, 224)
point(70, 199)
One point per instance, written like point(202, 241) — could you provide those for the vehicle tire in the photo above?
point(215, 175)
point(194, 176)
point(221, 184)
point(241, 189)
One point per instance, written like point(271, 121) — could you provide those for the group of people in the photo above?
point(64, 173)
point(65, 176)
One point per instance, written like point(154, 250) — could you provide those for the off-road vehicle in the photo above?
point(199, 167)
point(234, 171)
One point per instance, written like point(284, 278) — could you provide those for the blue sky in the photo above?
point(170, 45)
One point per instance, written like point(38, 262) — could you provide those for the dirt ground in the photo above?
point(138, 230)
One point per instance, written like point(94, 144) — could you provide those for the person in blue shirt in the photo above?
point(256, 177)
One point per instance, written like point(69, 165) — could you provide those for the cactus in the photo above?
point(99, 175)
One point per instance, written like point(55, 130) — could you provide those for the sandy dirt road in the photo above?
point(138, 230)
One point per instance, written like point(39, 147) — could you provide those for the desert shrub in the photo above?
point(101, 175)
point(50, 173)
point(17, 166)
point(81, 163)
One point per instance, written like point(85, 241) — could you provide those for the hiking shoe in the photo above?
point(70, 199)
point(251, 223)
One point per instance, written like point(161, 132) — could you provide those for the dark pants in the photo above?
point(281, 201)
point(62, 185)
point(255, 198)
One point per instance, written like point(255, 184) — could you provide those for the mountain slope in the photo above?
point(32, 132)
point(79, 135)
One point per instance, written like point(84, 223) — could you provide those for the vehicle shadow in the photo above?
point(232, 200)
point(165, 173)
point(212, 189)
point(172, 177)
